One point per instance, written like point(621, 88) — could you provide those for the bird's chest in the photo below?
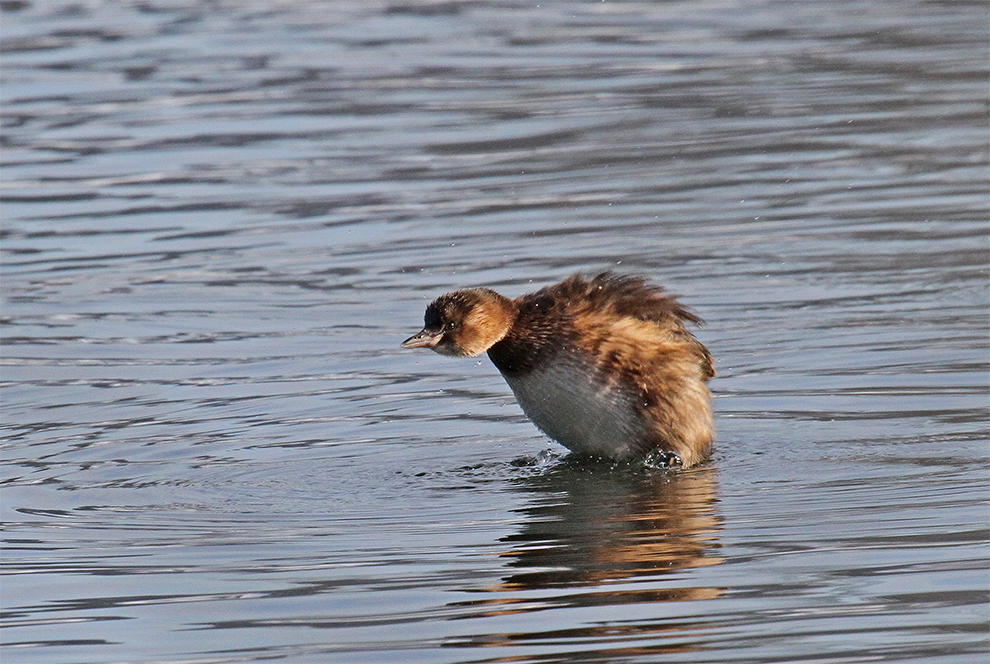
point(580, 410)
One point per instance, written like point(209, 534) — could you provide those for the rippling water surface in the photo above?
point(220, 219)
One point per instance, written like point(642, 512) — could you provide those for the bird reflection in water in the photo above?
point(595, 535)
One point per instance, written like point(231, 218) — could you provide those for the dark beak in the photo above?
point(423, 339)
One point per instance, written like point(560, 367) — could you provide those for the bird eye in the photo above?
point(450, 325)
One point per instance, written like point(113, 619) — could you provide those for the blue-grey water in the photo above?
point(219, 220)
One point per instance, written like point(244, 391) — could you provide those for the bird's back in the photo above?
point(606, 366)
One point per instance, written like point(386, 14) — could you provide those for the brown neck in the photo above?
point(489, 320)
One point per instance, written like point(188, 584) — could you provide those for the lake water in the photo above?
point(221, 218)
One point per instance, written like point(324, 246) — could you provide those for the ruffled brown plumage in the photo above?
point(605, 365)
